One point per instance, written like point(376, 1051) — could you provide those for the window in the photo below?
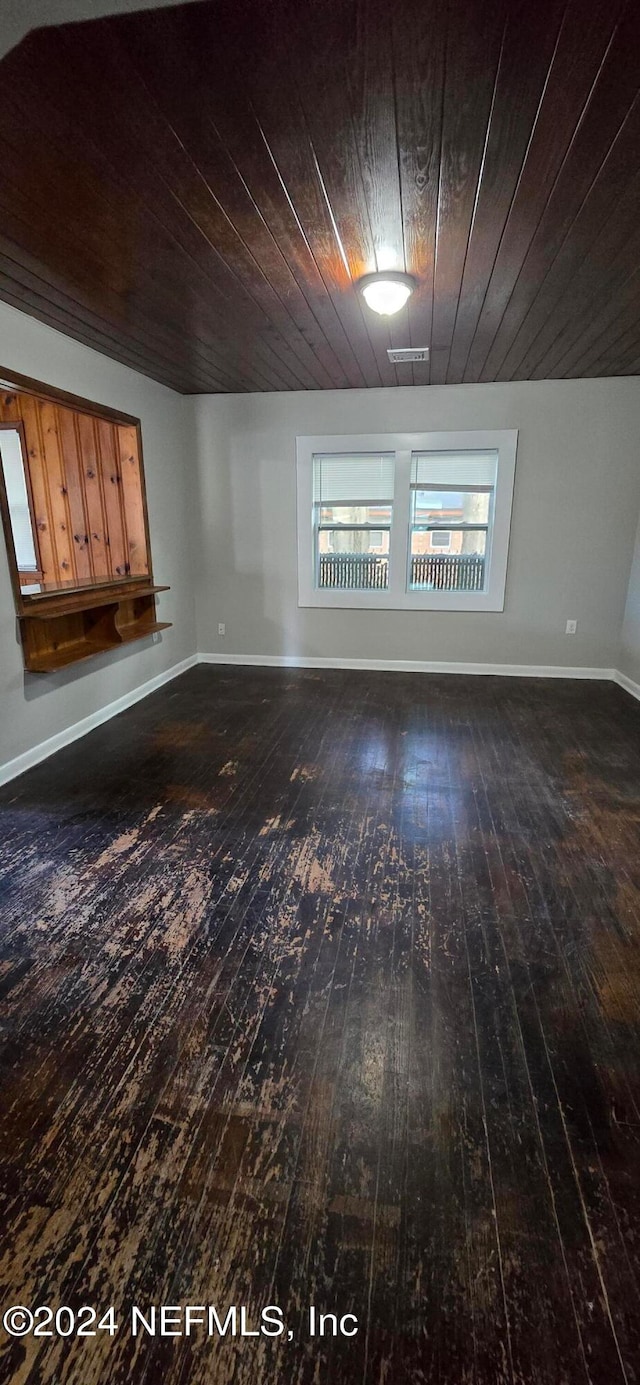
point(456, 490)
point(352, 512)
point(439, 538)
point(16, 480)
point(407, 521)
point(71, 490)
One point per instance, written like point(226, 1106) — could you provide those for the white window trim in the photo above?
point(396, 598)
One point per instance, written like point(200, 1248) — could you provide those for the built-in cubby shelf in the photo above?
point(74, 512)
point(61, 629)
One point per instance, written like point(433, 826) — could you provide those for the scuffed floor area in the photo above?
point(323, 989)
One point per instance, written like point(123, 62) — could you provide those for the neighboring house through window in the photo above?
point(407, 521)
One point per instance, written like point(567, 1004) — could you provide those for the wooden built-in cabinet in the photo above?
point(58, 631)
point(87, 583)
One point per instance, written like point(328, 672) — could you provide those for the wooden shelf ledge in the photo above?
point(50, 605)
point(127, 635)
point(56, 635)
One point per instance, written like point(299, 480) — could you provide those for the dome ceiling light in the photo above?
point(387, 292)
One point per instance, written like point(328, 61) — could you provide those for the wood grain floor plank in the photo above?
point(323, 988)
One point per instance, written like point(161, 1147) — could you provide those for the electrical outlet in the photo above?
point(222, 629)
point(572, 626)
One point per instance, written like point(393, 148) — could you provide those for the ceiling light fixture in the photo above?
point(388, 292)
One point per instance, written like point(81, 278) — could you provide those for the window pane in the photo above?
point(354, 478)
point(472, 541)
point(453, 469)
point(353, 560)
point(459, 540)
point(354, 541)
point(18, 500)
point(450, 507)
point(461, 568)
point(355, 514)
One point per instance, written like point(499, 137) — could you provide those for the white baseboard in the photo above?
point(73, 733)
point(627, 683)
point(80, 728)
point(409, 666)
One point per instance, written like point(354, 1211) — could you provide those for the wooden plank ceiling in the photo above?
point(194, 191)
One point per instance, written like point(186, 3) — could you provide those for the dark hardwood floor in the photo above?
point(322, 989)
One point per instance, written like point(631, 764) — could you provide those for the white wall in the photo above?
point(220, 476)
point(575, 512)
point(37, 706)
point(629, 662)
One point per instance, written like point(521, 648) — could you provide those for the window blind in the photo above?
point(358, 478)
point(454, 470)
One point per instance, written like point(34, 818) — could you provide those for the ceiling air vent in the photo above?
point(402, 354)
